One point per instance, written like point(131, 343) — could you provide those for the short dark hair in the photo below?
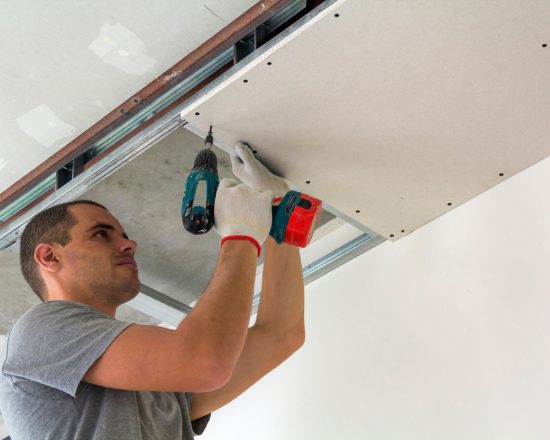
point(52, 225)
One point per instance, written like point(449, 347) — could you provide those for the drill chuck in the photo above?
point(206, 159)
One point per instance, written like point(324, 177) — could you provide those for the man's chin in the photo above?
point(135, 288)
point(129, 291)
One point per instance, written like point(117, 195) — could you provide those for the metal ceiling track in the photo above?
point(312, 272)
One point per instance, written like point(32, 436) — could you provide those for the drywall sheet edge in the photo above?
point(393, 112)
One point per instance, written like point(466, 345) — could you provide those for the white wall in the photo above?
point(3, 430)
point(444, 334)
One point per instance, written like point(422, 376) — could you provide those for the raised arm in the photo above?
point(277, 333)
point(279, 328)
point(200, 355)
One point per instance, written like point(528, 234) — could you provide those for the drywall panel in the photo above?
point(394, 112)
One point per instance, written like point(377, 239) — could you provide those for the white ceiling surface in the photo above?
point(395, 109)
point(66, 64)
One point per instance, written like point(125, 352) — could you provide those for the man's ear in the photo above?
point(47, 257)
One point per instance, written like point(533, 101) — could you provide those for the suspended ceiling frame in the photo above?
point(156, 125)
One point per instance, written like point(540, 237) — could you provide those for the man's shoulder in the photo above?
point(55, 343)
point(47, 309)
point(47, 317)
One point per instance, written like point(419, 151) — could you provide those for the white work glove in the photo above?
point(251, 171)
point(241, 211)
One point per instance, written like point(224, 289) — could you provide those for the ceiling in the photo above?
point(393, 113)
point(65, 65)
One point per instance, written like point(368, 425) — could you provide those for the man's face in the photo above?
point(98, 262)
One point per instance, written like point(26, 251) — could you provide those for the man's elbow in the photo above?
point(214, 372)
point(296, 338)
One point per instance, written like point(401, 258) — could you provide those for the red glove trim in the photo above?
point(277, 199)
point(243, 237)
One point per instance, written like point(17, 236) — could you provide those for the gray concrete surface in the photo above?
point(15, 295)
point(145, 195)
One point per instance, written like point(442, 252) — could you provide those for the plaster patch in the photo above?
point(3, 163)
point(118, 46)
point(44, 126)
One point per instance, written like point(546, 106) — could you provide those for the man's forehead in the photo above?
point(87, 214)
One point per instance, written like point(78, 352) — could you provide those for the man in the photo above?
point(72, 371)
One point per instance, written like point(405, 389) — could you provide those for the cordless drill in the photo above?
point(199, 219)
point(294, 219)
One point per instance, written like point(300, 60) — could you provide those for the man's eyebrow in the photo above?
point(106, 226)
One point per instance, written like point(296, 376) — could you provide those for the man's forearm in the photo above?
point(282, 299)
point(277, 333)
point(220, 318)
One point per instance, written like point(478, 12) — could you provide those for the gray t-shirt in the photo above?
point(47, 353)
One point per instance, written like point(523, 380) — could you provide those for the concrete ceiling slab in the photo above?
point(394, 112)
point(145, 196)
point(15, 296)
point(65, 65)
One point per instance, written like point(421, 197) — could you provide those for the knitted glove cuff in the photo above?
point(243, 237)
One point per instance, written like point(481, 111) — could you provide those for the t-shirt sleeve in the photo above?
point(198, 425)
point(55, 343)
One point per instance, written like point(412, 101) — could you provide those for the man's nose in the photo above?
point(129, 246)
